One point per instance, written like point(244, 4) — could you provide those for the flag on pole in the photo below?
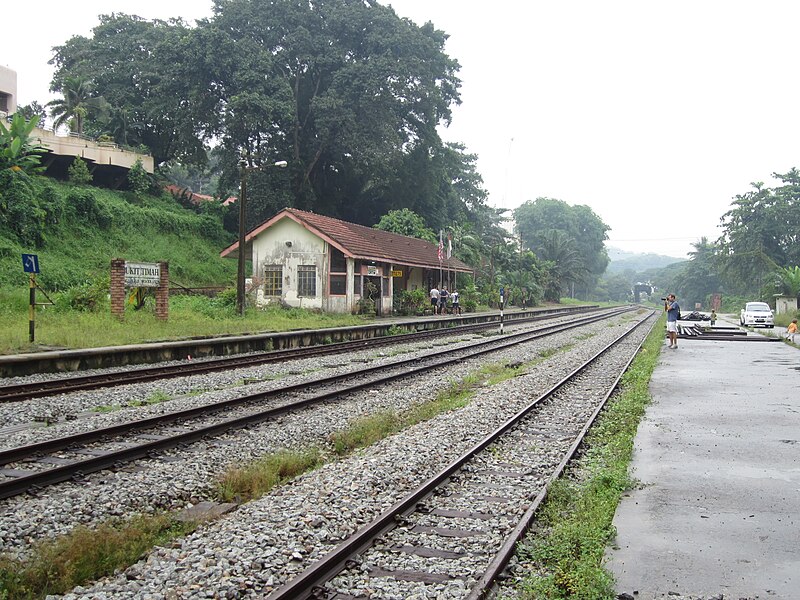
point(449, 245)
point(441, 246)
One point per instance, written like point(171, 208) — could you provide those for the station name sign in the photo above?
point(142, 274)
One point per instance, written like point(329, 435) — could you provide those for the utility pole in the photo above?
point(244, 168)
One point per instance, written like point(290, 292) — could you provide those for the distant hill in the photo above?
point(622, 260)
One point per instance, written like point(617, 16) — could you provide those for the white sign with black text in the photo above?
point(142, 274)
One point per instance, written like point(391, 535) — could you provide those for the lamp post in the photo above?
point(244, 168)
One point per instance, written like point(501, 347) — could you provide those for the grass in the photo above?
point(249, 482)
point(189, 317)
point(575, 522)
point(56, 566)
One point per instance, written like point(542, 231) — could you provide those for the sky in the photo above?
point(654, 114)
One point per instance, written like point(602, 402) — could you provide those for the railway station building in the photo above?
point(302, 259)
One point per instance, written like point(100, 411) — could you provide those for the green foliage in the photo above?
point(411, 302)
point(20, 208)
point(789, 278)
point(34, 109)
point(138, 178)
point(87, 209)
point(18, 151)
point(570, 237)
point(78, 172)
point(89, 296)
point(406, 222)
point(78, 103)
point(249, 482)
point(86, 555)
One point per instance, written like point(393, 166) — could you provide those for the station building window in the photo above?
point(338, 273)
point(307, 281)
point(273, 280)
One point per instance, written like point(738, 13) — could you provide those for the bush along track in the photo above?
point(562, 557)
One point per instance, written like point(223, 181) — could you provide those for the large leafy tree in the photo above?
point(343, 89)
point(698, 278)
point(759, 234)
point(151, 74)
point(580, 230)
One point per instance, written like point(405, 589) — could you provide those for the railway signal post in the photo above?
point(30, 265)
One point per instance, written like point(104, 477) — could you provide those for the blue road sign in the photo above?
point(30, 263)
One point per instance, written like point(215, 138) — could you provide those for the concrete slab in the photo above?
point(718, 458)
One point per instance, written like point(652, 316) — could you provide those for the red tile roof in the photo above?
point(364, 243)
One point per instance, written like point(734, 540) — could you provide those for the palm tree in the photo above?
point(77, 104)
point(558, 248)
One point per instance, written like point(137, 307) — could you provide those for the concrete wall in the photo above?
point(271, 247)
point(8, 90)
point(785, 304)
point(99, 153)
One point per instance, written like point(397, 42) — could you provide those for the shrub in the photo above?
point(20, 207)
point(87, 209)
point(411, 302)
point(88, 296)
point(226, 298)
point(138, 179)
point(78, 172)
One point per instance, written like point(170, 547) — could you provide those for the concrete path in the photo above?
point(718, 458)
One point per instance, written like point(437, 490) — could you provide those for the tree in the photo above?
point(78, 103)
point(698, 278)
point(34, 109)
point(565, 263)
point(534, 221)
point(343, 89)
point(406, 222)
point(150, 72)
point(760, 234)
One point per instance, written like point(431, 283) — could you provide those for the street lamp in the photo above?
point(244, 168)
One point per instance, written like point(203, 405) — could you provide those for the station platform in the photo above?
point(716, 513)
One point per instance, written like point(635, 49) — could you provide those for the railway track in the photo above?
point(31, 468)
point(453, 536)
point(25, 391)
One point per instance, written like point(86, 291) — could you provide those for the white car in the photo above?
point(756, 314)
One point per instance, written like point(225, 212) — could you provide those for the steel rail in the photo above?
point(310, 583)
point(499, 563)
point(35, 481)
point(55, 444)
point(24, 391)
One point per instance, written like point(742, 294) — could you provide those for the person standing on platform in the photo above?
point(443, 301)
point(435, 299)
point(673, 314)
point(454, 299)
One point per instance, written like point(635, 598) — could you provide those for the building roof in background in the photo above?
point(364, 243)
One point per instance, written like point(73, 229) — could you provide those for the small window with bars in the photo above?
point(307, 281)
point(273, 280)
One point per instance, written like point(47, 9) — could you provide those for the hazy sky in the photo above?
point(655, 114)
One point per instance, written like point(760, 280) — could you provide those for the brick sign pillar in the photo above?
point(162, 293)
point(118, 288)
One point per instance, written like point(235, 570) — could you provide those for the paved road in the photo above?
point(718, 456)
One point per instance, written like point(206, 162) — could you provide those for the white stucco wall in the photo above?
point(8, 87)
point(270, 248)
point(785, 304)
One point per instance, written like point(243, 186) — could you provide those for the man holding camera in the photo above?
point(673, 314)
